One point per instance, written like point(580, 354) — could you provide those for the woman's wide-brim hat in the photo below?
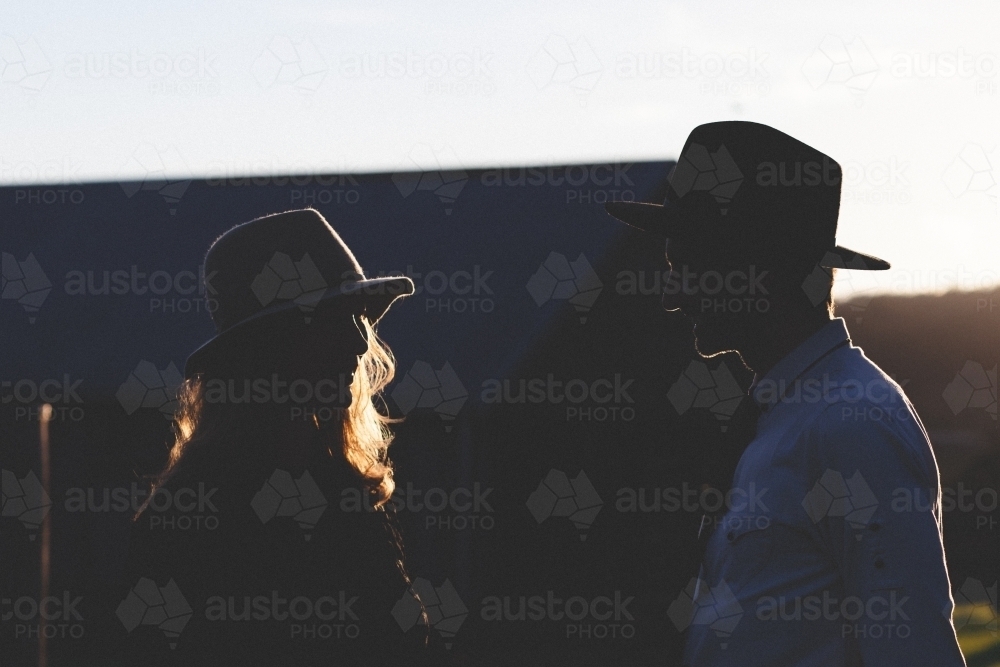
point(284, 265)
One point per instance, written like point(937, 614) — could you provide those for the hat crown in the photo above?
point(290, 256)
point(755, 184)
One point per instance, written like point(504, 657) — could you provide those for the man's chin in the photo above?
point(710, 339)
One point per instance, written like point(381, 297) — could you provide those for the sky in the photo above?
point(906, 96)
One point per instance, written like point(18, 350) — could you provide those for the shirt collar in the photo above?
point(766, 390)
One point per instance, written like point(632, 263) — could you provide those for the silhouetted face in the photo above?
point(327, 349)
point(312, 364)
point(720, 296)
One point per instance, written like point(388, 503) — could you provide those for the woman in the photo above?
point(244, 553)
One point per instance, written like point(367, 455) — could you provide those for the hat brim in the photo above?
point(378, 295)
point(663, 220)
point(845, 258)
point(652, 218)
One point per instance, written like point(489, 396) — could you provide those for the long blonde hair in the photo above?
point(364, 425)
point(366, 428)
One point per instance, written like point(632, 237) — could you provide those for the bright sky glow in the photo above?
point(906, 96)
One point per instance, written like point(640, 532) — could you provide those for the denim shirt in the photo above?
point(813, 563)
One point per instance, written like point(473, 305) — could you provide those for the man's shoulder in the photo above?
point(855, 395)
point(851, 377)
point(866, 419)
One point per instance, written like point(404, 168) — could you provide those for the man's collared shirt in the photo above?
point(820, 560)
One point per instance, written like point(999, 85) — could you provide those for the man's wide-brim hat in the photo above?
point(747, 188)
point(286, 264)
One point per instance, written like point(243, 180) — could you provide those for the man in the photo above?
point(811, 564)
